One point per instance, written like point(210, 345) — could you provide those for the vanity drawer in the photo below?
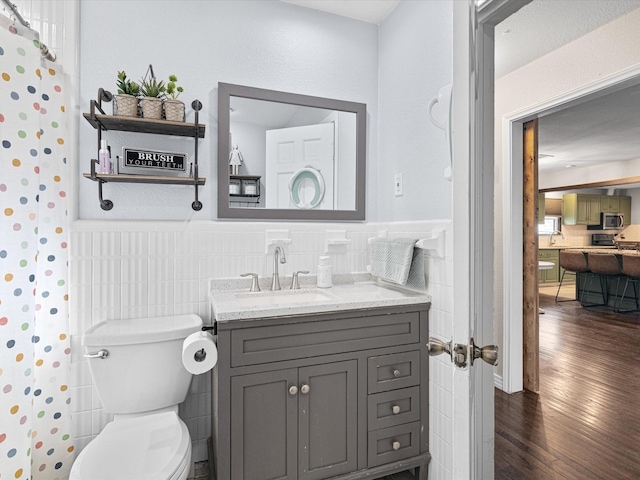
point(389, 372)
point(250, 346)
point(393, 444)
point(396, 407)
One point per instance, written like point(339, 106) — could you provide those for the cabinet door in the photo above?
point(582, 217)
point(609, 203)
point(595, 207)
point(625, 209)
point(328, 420)
point(541, 207)
point(570, 209)
point(264, 429)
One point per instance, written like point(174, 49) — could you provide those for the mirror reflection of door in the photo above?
point(291, 149)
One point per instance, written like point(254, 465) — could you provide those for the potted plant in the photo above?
point(173, 108)
point(152, 92)
point(126, 101)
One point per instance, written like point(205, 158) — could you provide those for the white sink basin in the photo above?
point(282, 298)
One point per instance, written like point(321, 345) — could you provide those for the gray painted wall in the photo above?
point(415, 51)
point(274, 45)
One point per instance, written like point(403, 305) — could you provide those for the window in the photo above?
point(551, 224)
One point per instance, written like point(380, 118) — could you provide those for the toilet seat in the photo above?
point(152, 447)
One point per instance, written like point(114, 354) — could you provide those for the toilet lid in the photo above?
point(152, 447)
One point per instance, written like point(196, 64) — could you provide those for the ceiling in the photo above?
point(370, 11)
point(552, 23)
point(599, 131)
point(606, 129)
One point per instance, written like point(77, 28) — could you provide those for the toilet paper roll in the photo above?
point(199, 353)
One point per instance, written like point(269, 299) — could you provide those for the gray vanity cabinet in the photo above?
point(281, 431)
point(331, 395)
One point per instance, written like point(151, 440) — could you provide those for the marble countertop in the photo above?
point(348, 293)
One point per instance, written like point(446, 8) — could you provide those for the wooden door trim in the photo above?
point(530, 301)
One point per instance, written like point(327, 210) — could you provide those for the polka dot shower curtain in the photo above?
point(34, 339)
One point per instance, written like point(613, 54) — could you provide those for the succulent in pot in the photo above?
point(153, 92)
point(125, 103)
point(173, 108)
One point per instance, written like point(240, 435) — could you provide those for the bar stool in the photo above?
point(630, 268)
point(605, 265)
point(574, 263)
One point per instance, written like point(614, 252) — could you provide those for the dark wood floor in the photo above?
point(585, 421)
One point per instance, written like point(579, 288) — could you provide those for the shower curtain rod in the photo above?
point(44, 50)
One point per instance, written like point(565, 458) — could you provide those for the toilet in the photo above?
point(141, 380)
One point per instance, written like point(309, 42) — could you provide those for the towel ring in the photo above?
point(301, 181)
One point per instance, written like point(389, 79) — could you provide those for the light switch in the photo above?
point(397, 185)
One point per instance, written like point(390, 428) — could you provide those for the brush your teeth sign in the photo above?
point(154, 162)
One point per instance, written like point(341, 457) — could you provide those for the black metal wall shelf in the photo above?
point(103, 122)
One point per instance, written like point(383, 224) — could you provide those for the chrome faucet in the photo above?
point(277, 254)
point(551, 239)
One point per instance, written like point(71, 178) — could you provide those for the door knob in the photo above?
point(488, 353)
point(438, 347)
point(460, 353)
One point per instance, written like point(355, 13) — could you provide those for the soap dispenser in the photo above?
point(324, 272)
point(104, 158)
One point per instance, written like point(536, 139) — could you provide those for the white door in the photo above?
point(289, 150)
point(473, 159)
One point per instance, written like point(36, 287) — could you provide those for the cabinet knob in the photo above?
point(395, 409)
point(293, 390)
point(305, 389)
point(396, 373)
point(395, 445)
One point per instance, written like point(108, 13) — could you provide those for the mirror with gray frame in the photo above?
point(289, 156)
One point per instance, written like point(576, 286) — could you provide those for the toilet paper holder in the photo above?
point(200, 355)
point(213, 327)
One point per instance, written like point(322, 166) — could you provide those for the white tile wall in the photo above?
point(122, 270)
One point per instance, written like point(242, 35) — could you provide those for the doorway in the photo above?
point(513, 237)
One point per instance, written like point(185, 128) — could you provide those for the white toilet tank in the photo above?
point(143, 370)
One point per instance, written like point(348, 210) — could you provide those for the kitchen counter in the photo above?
point(361, 292)
point(613, 250)
point(574, 247)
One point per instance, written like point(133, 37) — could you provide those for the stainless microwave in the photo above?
point(612, 221)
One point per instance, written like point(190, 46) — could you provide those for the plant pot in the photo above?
point(151, 107)
point(174, 110)
point(125, 105)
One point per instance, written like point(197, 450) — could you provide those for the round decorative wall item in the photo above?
point(306, 188)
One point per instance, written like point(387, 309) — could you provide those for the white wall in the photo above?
point(606, 51)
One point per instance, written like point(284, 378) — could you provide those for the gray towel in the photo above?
point(397, 260)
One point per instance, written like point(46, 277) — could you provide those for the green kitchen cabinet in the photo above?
point(625, 209)
point(541, 206)
point(609, 203)
point(581, 209)
point(551, 275)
